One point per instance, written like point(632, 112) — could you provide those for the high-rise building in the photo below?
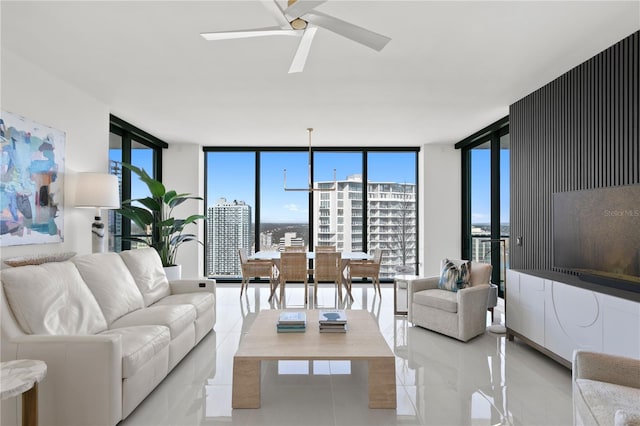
point(290, 239)
point(228, 229)
point(391, 212)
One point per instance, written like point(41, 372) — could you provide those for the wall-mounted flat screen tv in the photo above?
point(596, 235)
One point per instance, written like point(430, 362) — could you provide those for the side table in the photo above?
point(21, 377)
point(400, 292)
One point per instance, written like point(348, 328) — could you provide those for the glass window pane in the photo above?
point(338, 214)
point(505, 225)
point(481, 203)
point(284, 215)
point(391, 210)
point(230, 211)
point(142, 157)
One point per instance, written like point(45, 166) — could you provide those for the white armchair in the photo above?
point(461, 315)
point(606, 389)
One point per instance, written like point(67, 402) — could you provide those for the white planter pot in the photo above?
point(173, 272)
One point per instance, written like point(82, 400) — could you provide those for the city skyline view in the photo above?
point(291, 207)
point(231, 176)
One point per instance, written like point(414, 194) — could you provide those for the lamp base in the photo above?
point(497, 329)
point(97, 235)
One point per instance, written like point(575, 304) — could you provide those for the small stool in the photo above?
point(21, 376)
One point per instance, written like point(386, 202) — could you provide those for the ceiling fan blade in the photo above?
point(260, 32)
point(276, 11)
point(300, 58)
point(353, 32)
point(301, 7)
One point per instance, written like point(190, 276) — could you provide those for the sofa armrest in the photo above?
point(193, 285)
point(472, 310)
point(422, 284)
point(83, 384)
point(416, 286)
point(608, 368)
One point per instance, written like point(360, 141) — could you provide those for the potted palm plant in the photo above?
point(156, 213)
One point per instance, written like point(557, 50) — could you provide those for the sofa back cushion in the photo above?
point(111, 283)
point(146, 267)
point(480, 273)
point(52, 298)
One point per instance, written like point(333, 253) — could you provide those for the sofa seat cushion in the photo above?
point(176, 317)
point(439, 299)
point(203, 302)
point(52, 298)
point(147, 271)
point(111, 283)
point(139, 345)
point(604, 399)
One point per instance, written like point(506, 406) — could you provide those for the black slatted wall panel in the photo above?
point(580, 131)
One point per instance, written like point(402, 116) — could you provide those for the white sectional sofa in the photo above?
point(109, 326)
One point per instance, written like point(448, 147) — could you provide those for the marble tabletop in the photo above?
point(19, 376)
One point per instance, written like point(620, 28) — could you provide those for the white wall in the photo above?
point(183, 171)
point(36, 94)
point(442, 209)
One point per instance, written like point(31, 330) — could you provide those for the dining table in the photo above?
point(347, 257)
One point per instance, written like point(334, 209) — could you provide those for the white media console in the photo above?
point(556, 318)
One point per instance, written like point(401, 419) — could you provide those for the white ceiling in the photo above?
point(450, 69)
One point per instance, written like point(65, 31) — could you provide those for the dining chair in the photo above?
point(257, 268)
point(327, 268)
point(295, 249)
point(325, 249)
point(367, 269)
point(293, 268)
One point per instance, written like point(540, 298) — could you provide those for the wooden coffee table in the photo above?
point(362, 341)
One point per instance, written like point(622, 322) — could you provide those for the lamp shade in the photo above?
point(97, 190)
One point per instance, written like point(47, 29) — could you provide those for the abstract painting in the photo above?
point(31, 182)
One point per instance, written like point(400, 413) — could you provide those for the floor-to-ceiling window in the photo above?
point(485, 198)
point(230, 211)
point(284, 215)
point(350, 215)
point(338, 215)
point(391, 204)
point(131, 145)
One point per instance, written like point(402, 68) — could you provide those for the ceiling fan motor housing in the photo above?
point(298, 24)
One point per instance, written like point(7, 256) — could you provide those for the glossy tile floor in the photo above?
point(440, 381)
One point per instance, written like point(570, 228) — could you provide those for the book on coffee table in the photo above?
point(332, 317)
point(292, 322)
point(292, 318)
point(336, 328)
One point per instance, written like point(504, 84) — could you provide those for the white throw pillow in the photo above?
point(52, 299)
point(111, 283)
point(146, 267)
point(454, 275)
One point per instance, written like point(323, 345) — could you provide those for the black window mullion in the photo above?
point(495, 208)
point(126, 189)
point(256, 228)
point(365, 199)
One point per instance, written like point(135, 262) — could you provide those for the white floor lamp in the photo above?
point(98, 191)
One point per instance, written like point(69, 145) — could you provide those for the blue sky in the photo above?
point(481, 186)
point(231, 175)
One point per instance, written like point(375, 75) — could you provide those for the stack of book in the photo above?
point(333, 321)
point(292, 322)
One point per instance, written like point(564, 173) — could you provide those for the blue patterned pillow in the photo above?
point(454, 278)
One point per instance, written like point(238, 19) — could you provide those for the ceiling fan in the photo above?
point(300, 19)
